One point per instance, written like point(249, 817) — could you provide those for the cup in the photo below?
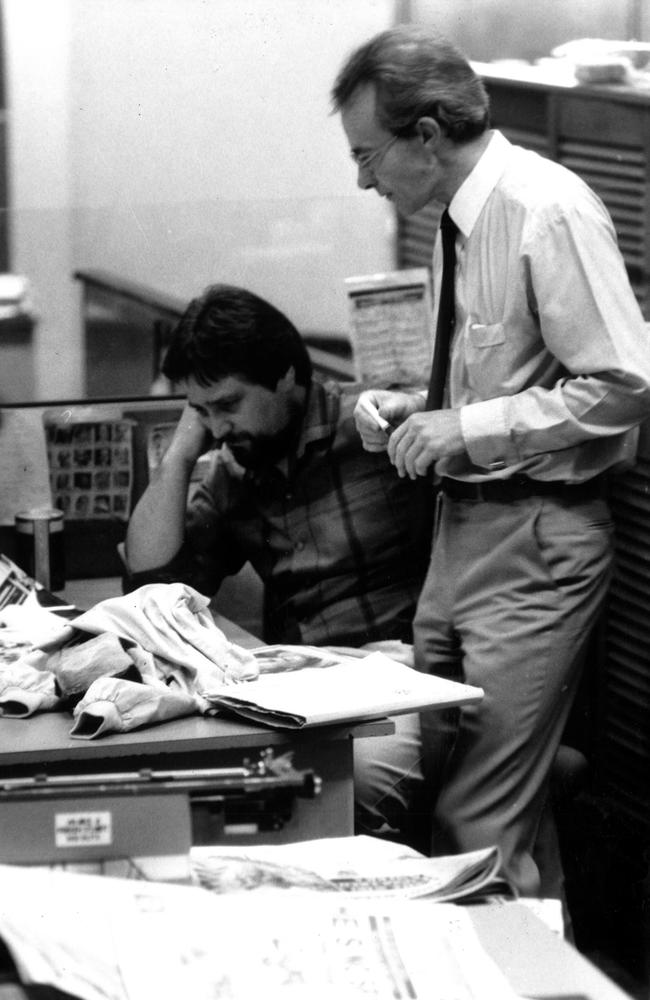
point(40, 549)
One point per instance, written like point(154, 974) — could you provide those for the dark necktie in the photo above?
point(446, 314)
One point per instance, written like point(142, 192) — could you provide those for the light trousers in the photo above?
point(509, 603)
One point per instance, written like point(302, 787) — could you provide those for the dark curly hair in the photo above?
point(230, 331)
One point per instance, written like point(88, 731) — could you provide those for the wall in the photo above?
point(179, 142)
point(501, 29)
point(37, 38)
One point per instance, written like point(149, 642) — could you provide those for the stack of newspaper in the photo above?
point(361, 867)
point(114, 939)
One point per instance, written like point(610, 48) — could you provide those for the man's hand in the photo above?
point(422, 439)
point(157, 525)
point(191, 438)
point(391, 407)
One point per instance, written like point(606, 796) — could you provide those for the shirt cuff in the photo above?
point(485, 432)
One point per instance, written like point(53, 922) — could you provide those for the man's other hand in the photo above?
point(390, 407)
point(424, 438)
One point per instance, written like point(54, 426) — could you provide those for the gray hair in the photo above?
point(416, 74)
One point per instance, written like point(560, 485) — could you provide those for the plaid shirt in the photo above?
point(331, 533)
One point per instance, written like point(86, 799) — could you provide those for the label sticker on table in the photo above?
point(83, 829)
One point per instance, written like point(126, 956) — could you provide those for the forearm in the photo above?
point(570, 414)
point(157, 526)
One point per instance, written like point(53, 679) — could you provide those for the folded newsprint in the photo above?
point(115, 939)
point(361, 867)
point(302, 686)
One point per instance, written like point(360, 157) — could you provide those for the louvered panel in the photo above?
point(629, 672)
point(412, 255)
point(628, 190)
point(627, 158)
point(630, 631)
point(536, 141)
point(630, 559)
point(607, 167)
point(631, 669)
point(627, 217)
point(635, 520)
point(633, 259)
point(631, 801)
point(636, 481)
point(632, 572)
point(640, 290)
point(627, 739)
point(628, 594)
point(624, 735)
point(629, 245)
point(618, 176)
point(416, 236)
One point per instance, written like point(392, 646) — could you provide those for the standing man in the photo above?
point(533, 400)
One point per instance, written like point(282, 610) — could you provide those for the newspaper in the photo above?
point(116, 939)
point(301, 686)
point(391, 326)
point(15, 584)
point(361, 867)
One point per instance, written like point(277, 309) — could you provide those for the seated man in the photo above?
point(329, 527)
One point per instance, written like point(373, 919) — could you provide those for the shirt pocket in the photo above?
point(486, 334)
point(486, 357)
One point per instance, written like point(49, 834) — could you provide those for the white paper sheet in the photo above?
point(112, 939)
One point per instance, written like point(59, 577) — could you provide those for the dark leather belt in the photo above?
point(519, 488)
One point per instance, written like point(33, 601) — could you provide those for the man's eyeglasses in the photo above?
point(370, 160)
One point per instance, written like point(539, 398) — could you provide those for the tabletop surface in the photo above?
point(536, 961)
point(46, 737)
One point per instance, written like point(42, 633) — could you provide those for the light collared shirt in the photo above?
point(550, 364)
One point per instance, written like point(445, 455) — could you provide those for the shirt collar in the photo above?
point(467, 204)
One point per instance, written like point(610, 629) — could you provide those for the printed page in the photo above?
point(114, 939)
point(320, 950)
point(391, 326)
point(361, 867)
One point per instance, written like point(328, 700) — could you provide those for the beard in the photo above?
point(256, 452)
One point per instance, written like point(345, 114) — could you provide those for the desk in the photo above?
point(537, 962)
point(42, 745)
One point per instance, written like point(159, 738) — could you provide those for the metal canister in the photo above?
point(40, 548)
